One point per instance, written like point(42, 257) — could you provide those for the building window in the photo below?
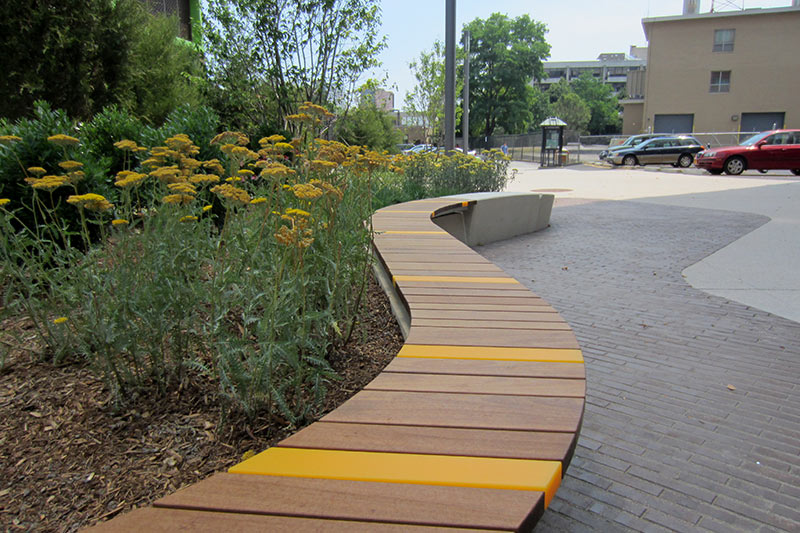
point(721, 81)
point(723, 40)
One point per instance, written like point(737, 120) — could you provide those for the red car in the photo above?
point(769, 150)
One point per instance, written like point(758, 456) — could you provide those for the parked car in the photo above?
point(420, 149)
point(676, 150)
point(768, 150)
point(630, 142)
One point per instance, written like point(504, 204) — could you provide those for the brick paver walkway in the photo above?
point(692, 420)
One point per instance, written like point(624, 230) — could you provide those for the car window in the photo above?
point(795, 139)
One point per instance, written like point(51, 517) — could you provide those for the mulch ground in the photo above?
point(69, 458)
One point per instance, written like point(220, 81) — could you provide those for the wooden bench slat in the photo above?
point(467, 267)
point(159, 520)
point(477, 411)
point(486, 368)
point(492, 337)
point(464, 507)
point(448, 470)
point(460, 314)
point(489, 323)
point(542, 445)
point(513, 386)
point(443, 294)
point(530, 304)
point(446, 271)
point(462, 257)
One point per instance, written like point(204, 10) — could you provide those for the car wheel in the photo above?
point(734, 166)
point(762, 170)
point(685, 160)
point(796, 171)
point(629, 160)
point(715, 171)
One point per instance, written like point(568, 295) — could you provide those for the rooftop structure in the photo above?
point(611, 68)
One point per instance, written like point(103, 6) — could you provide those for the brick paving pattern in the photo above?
point(666, 444)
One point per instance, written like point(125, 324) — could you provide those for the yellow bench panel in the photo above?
point(448, 470)
point(491, 353)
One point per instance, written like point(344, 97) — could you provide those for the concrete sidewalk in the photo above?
point(761, 269)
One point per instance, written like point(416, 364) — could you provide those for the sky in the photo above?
point(578, 29)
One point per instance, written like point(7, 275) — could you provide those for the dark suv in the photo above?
point(678, 150)
point(630, 142)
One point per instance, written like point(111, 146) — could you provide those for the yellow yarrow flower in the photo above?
point(272, 139)
point(297, 212)
point(230, 192)
point(90, 201)
point(207, 208)
point(119, 222)
point(8, 140)
point(37, 171)
point(214, 166)
point(204, 179)
point(181, 199)
point(182, 187)
point(246, 173)
point(259, 200)
point(306, 191)
point(63, 140)
point(166, 174)
point(277, 170)
point(188, 218)
point(60, 320)
point(230, 137)
point(70, 165)
point(126, 178)
point(4, 201)
point(126, 145)
point(49, 183)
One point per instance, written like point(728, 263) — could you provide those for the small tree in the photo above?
point(505, 55)
point(426, 101)
point(602, 102)
point(366, 125)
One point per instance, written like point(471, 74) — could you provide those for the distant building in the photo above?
point(384, 100)
point(719, 71)
point(612, 69)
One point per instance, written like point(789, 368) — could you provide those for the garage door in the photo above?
point(673, 124)
point(762, 121)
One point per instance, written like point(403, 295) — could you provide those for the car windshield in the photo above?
point(755, 138)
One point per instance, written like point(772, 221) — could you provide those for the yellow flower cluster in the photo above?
point(294, 237)
point(168, 174)
point(188, 218)
point(306, 191)
point(272, 139)
point(90, 201)
point(37, 171)
point(126, 179)
point(8, 140)
point(47, 183)
point(180, 199)
point(64, 141)
point(182, 187)
point(231, 137)
point(129, 146)
point(259, 200)
point(70, 165)
point(323, 167)
point(229, 192)
point(276, 170)
point(181, 143)
point(330, 190)
point(4, 201)
point(119, 222)
point(213, 165)
point(204, 179)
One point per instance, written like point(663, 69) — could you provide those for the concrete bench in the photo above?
point(471, 426)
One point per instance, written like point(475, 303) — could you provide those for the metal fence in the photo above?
point(723, 138)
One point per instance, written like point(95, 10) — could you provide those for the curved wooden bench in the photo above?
point(471, 426)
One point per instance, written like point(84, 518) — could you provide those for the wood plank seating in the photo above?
point(470, 427)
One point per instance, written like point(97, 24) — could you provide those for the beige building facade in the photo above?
point(715, 72)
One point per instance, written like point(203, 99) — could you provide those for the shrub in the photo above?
point(254, 296)
point(433, 174)
point(70, 53)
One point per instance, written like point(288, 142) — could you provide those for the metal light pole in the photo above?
point(465, 111)
point(450, 76)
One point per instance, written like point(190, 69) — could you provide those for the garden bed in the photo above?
point(69, 459)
